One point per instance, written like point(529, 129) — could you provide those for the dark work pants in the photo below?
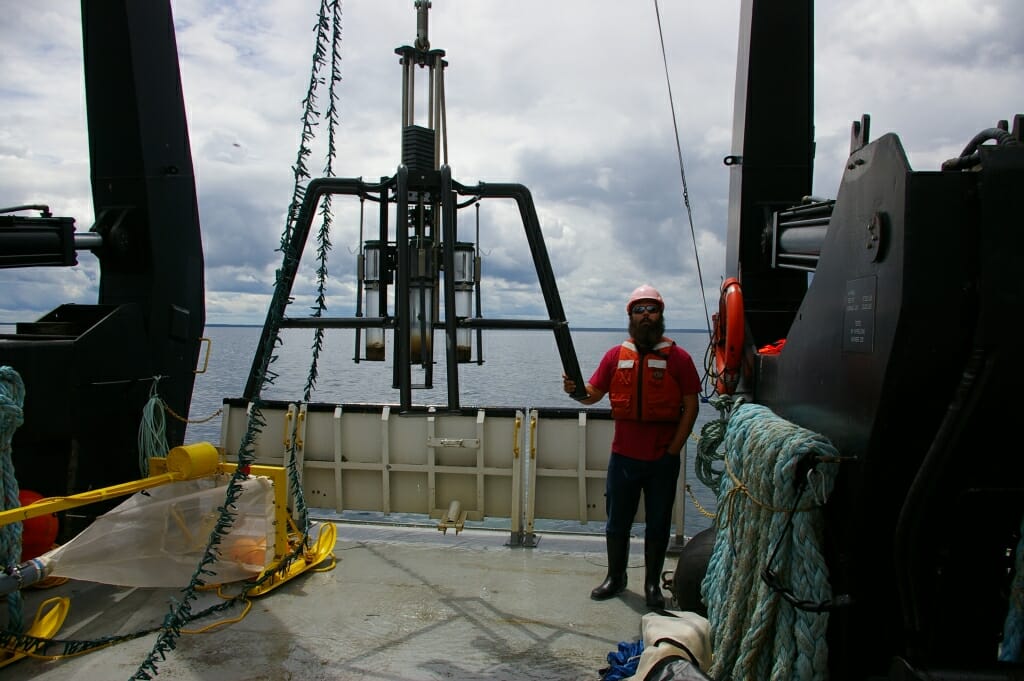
point(627, 478)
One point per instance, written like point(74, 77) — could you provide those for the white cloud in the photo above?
point(568, 98)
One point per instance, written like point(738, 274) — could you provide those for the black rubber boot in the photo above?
point(618, 560)
point(654, 561)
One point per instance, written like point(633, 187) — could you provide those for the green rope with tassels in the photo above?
point(324, 234)
point(328, 32)
point(770, 498)
point(322, 251)
point(12, 400)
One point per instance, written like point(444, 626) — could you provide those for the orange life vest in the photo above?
point(642, 389)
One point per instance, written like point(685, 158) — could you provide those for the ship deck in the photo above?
point(400, 603)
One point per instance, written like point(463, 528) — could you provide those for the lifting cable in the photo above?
point(682, 172)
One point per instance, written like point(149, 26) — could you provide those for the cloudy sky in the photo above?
point(568, 97)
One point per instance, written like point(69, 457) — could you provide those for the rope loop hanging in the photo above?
point(152, 438)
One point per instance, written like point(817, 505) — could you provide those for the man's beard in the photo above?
point(646, 335)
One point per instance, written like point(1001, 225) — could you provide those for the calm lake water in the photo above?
point(520, 369)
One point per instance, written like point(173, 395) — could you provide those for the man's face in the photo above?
point(646, 325)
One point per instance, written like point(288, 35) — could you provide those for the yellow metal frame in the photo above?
point(278, 476)
point(182, 463)
point(55, 504)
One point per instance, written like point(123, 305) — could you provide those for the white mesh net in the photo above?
point(156, 538)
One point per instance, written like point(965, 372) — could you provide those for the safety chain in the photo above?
point(699, 506)
point(175, 414)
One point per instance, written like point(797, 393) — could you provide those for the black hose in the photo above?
point(1000, 136)
point(45, 210)
point(971, 155)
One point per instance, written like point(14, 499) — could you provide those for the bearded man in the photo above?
point(652, 385)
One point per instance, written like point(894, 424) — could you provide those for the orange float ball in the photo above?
point(37, 534)
point(248, 550)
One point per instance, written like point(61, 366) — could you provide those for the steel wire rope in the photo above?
point(682, 171)
point(703, 475)
point(707, 378)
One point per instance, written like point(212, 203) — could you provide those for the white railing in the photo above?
point(519, 464)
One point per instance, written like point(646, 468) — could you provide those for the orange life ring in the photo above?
point(728, 337)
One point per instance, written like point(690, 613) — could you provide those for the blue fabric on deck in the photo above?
point(623, 661)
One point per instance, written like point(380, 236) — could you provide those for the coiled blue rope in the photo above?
point(767, 514)
point(12, 399)
point(1013, 627)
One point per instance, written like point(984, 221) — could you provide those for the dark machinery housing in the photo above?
point(81, 364)
point(897, 348)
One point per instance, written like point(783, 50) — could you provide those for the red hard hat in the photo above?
point(645, 292)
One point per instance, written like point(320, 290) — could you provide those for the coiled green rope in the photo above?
point(711, 436)
point(12, 399)
point(769, 516)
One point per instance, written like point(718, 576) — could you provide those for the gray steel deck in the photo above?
point(401, 603)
